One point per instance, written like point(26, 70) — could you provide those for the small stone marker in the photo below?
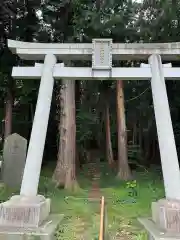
point(14, 158)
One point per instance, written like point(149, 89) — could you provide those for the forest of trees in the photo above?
point(111, 121)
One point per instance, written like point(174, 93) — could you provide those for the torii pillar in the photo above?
point(165, 212)
point(28, 211)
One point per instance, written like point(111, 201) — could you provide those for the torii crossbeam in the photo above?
point(84, 51)
point(80, 73)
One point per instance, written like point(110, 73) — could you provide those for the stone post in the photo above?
point(165, 221)
point(32, 169)
point(167, 147)
point(29, 210)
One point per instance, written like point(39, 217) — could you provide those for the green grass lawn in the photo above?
point(82, 217)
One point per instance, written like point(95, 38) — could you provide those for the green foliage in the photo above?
point(132, 184)
point(134, 152)
point(86, 121)
point(80, 21)
point(132, 187)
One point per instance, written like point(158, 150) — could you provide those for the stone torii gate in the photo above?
point(35, 209)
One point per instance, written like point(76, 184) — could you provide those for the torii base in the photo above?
point(24, 212)
point(165, 221)
point(46, 231)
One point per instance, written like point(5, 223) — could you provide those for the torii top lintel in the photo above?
point(83, 51)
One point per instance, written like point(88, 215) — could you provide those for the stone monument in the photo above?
point(31, 211)
point(14, 156)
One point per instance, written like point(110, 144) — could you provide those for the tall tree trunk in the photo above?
point(59, 173)
point(134, 136)
point(70, 182)
point(124, 172)
point(64, 174)
point(77, 100)
point(109, 151)
point(140, 141)
point(8, 109)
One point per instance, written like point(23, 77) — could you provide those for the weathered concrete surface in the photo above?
point(165, 222)
point(45, 232)
point(120, 51)
point(167, 145)
point(87, 73)
point(169, 215)
point(34, 158)
point(156, 233)
point(24, 212)
point(155, 214)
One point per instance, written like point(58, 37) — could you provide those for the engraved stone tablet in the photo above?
point(169, 215)
point(24, 213)
point(102, 54)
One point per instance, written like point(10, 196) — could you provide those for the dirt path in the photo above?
point(82, 228)
point(95, 194)
point(94, 174)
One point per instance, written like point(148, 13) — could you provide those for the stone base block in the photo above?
point(155, 233)
point(168, 215)
point(45, 232)
point(23, 212)
point(154, 209)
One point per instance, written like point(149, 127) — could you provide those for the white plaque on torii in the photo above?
point(102, 54)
